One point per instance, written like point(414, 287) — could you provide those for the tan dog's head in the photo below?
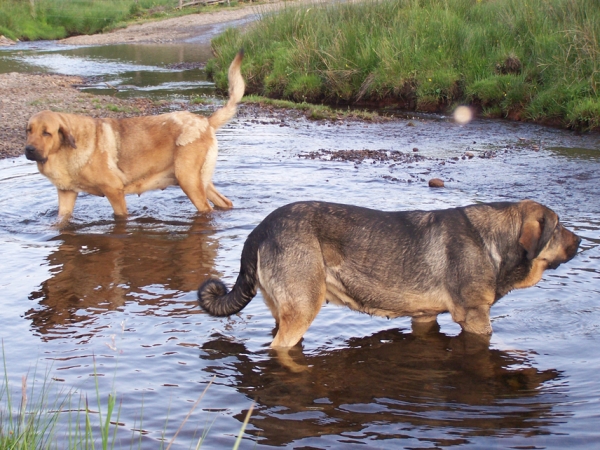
point(47, 132)
point(543, 236)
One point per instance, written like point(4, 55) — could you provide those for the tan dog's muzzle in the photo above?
point(32, 154)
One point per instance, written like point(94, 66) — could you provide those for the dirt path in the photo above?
point(178, 28)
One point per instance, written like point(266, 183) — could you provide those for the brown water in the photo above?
point(119, 299)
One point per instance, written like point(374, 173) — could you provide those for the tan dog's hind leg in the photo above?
point(189, 165)
point(218, 199)
point(193, 188)
point(116, 197)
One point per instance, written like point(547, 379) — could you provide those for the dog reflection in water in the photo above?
point(392, 264)
point(396, 380)
point(95, 272)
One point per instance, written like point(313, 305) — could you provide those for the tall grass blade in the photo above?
point(190, 412)
point(244, 425)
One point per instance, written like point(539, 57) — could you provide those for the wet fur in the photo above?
point(115, 157)
point(412, 263)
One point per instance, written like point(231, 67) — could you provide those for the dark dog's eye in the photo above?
point(45, 133)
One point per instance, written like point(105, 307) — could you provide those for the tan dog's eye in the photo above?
point(45, 133)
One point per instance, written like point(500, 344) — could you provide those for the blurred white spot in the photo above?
point(463, 115)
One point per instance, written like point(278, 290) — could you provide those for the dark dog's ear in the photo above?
point(67, 136)
point(539, 223)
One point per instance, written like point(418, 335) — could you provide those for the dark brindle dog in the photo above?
point(413, 263)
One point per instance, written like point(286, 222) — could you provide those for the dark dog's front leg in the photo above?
point(422, 325)
point(477, 320)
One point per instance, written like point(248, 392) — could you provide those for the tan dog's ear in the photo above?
point(67, 136)
point(538, 225)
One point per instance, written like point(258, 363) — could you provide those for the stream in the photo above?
point(118, 299)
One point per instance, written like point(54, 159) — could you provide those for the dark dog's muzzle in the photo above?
point(572, 250)
point(571, 247)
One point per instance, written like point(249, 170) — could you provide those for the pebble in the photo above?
point(436, 183)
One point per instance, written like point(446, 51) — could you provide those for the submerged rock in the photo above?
point(436, 183)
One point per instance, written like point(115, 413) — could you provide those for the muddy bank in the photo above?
point(22, 95)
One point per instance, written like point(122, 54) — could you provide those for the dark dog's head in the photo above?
point(543, 237)
point(47, 132)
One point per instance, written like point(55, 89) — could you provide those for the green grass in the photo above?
point(535, 60)
point(56, 19)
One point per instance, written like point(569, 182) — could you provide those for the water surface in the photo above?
point(118, 298)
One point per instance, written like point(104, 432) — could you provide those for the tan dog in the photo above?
point(112, 157)
point(408, 263)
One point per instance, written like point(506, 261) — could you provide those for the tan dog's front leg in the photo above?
point(66, 203)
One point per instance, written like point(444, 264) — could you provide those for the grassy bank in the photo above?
point(55, 19)
point(314, 111)
point(536, 60)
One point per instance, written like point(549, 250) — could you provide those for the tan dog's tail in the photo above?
point(215, 299)
point(236, 92)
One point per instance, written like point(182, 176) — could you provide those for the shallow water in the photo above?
point(118, 299)
point(160, 71)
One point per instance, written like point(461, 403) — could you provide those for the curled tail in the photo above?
point(215, 299)
point(236, 92)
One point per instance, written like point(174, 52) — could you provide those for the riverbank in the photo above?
point(187, 24)
point(509, 94)
point(22, 95)
point(533, 61)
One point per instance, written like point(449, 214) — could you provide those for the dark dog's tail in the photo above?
point(236, 92)
point(215, 299)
